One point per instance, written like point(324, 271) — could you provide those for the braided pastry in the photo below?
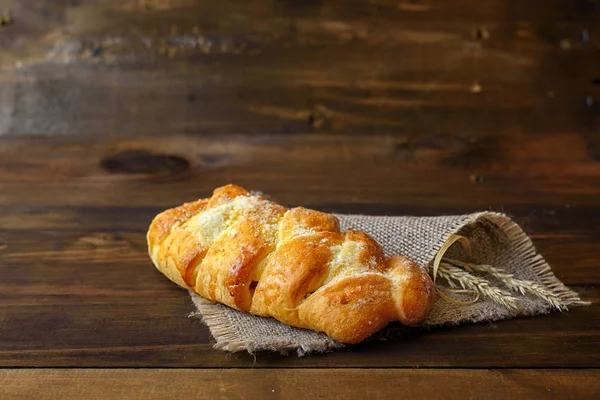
point(242, 250)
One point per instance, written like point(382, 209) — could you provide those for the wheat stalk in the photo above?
point(468, 281)
point(521, 286)
point(448, 269)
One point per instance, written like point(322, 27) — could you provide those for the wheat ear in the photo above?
point(476, 284)
point(518, 285)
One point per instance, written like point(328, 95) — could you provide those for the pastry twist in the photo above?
point(239, 249)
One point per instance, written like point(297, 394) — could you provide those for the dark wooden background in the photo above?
point(111, 111)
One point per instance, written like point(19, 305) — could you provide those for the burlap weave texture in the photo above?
point(495, 240)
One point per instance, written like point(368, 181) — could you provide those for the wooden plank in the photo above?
point(32, 251)
point(143, 323)
point(78, 289)
point(265, 384)
point(543, 222)
point(150, 67)
point(554, 171)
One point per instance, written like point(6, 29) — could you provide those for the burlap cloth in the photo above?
point(495, 240)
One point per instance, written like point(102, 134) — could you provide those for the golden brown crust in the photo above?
point(293, 265)
point(165, 249)
point(416, 299)
point(290, 275)
point(351, 309)
point(166, 221)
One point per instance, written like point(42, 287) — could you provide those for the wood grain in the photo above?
point(111, 111)
point(79, 290)
point(155, 67)
point(378, 107)
point(282, 384)
point(88, 323)
point(555, 171)
point(31, 252)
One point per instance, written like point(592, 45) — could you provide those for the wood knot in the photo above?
point(476, 178)
point(319, 118)
point(143, 162)
point(99, 239)
point(6, 19)
point(481, 33)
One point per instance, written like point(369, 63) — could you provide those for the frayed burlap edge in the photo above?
point(523, 243)
point(228, 338)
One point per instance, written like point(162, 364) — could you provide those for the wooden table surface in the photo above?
point(111, 111)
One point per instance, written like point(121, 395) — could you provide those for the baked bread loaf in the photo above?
point(239, 249)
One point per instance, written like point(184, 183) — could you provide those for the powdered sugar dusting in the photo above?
point(238, 264)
